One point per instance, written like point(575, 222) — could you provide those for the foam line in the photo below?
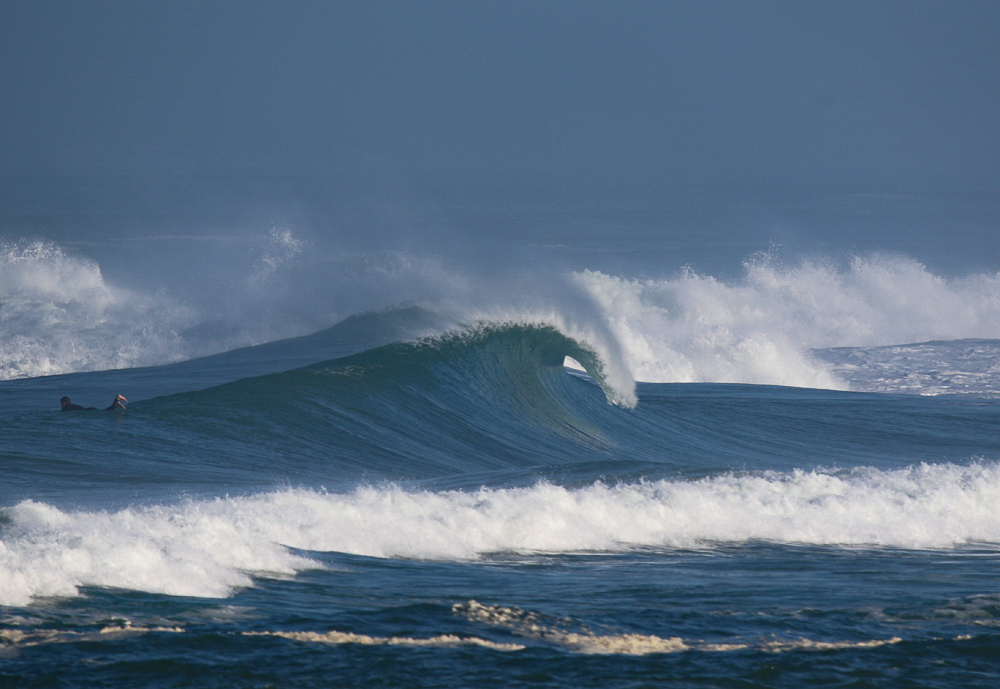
point(535, 626)
point(337, 638)
point(211, 547)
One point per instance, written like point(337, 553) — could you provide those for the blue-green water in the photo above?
point(449, 476)
point(462, 510)
point(499, 344)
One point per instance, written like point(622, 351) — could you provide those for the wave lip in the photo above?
point(510, 349)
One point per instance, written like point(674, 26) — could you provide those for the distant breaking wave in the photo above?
point(59, 315)
point(775, 325)
point(771, 326)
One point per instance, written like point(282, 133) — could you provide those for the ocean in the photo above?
point(618, 444)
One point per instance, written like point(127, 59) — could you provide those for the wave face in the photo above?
point(490, 397)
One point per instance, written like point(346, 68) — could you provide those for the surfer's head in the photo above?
point(64, 401)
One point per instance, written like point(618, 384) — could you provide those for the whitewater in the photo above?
point(597, 477)
point(206, 548)
point(810, 323)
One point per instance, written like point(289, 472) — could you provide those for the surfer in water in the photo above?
point(119, 403)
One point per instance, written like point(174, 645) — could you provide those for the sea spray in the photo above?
point(761, 329)
point(58, 315)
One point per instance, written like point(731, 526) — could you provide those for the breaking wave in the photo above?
point(211, 547)
point(766, 328)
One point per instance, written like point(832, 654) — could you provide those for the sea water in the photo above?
point(623, 456)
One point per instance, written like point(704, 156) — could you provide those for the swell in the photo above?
point(488, 397)
point(491, 405)
point(488, 406)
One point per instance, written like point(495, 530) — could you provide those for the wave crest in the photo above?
point(59, 315)
point(765, 327)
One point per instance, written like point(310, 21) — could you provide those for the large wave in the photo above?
point(773, 325)
point(211, 547)
point(484, 398)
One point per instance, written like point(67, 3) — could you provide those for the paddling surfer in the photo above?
point(118, 403)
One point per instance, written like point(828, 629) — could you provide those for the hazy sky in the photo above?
point(887, 93)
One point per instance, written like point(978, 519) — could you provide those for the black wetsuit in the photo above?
point(74, 407)
point(69, 406)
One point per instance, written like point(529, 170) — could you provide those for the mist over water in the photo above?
point(762, 316)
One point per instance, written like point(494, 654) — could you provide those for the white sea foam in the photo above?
point(574, 637)
point(12, 640)
point(209, 548)
point(562, 633)
point(337, 638)
point(58, 315)
point(762, 328)
point(522, 623)
point(774, 325)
